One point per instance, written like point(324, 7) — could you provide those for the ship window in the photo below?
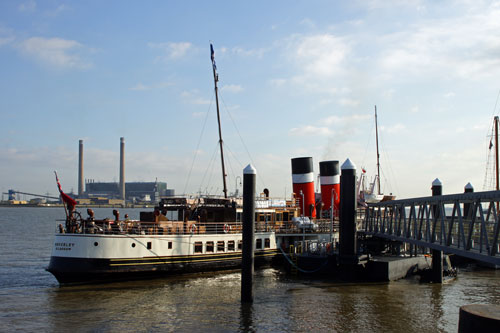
point(149, 245)
point(286, 217)
point(267, 243)
point(279, 217)
point(169, 245)
point(258, 244)
point(238, 217)
point(220, 246)
point(240, 244)
point(230, 245)
point(262, 217)
point(198, 247)
point(133, 244)
point(210, 247)
point(95, 243)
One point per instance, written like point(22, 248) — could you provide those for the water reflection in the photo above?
point(246, 320)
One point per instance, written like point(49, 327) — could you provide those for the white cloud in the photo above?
point(28, 6)
point(389, 93)
point(233, 88)
point(56, 11)
point(466, 46)
point(277, 82)
point(55, 52)
point(336, 120)
point(393, 129)
point(449, 94)
point(349, 102)
point(320, 56)
point(142, 87)
point(307, 22)
point(382, 4)
point(309, 130)
point(257, 53)
point(172, 50)
point(193, 97)
point(6, 40)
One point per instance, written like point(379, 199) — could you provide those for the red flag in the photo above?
point(65, 198)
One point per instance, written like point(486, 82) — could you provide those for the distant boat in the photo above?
point(368, 194)
point(491, 178)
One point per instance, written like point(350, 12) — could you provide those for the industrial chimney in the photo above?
point(122, 168)
point(80, 169)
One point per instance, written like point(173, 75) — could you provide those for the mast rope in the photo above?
point(198, 145)
point(210, 167)
point(226, 109)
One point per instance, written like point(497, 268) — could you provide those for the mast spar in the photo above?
point(216, 79)
point(496, 154)
point(378, 155)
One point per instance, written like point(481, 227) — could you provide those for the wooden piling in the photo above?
point(437, 256)
point(247, 264)
point(348, 204)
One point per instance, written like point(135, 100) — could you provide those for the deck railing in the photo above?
point(111, 227)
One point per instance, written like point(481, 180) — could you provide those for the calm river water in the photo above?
point(31, 299)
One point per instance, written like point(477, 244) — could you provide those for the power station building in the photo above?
point(134, 191)
point(125, 191)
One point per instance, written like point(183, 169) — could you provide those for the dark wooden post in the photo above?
point(247, 264)
point(348, 205)
point(437, 256)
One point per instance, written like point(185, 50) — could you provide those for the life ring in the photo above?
point(227, 228)
point(192, 228)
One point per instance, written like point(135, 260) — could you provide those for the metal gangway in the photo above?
point(462, 224)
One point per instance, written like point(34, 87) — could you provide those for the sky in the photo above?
point(296, 78)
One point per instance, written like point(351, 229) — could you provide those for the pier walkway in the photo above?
point(462, 224)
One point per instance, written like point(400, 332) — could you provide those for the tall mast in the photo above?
point(216, 79)
point(378, 155)
point(496, 152)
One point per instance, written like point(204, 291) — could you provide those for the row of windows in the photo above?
point(221, 246)
point(269, 217)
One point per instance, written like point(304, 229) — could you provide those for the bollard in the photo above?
point(247, 262)
point(467, 189)
point(437, 256)
point(437, 187)
point(348, 204)
point(482, 318)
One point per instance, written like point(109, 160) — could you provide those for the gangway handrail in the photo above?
point(469, 228)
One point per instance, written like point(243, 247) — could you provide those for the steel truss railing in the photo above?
point(463, 224)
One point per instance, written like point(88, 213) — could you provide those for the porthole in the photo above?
point(95, 243)
point(133, 244)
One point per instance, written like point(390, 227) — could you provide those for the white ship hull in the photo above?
point(81, 258)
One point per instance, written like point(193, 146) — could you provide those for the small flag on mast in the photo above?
point(65, 198)
point(212, 56)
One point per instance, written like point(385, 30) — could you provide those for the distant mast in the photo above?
point(378, 155)
point(216, 79)
point(496, 153)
